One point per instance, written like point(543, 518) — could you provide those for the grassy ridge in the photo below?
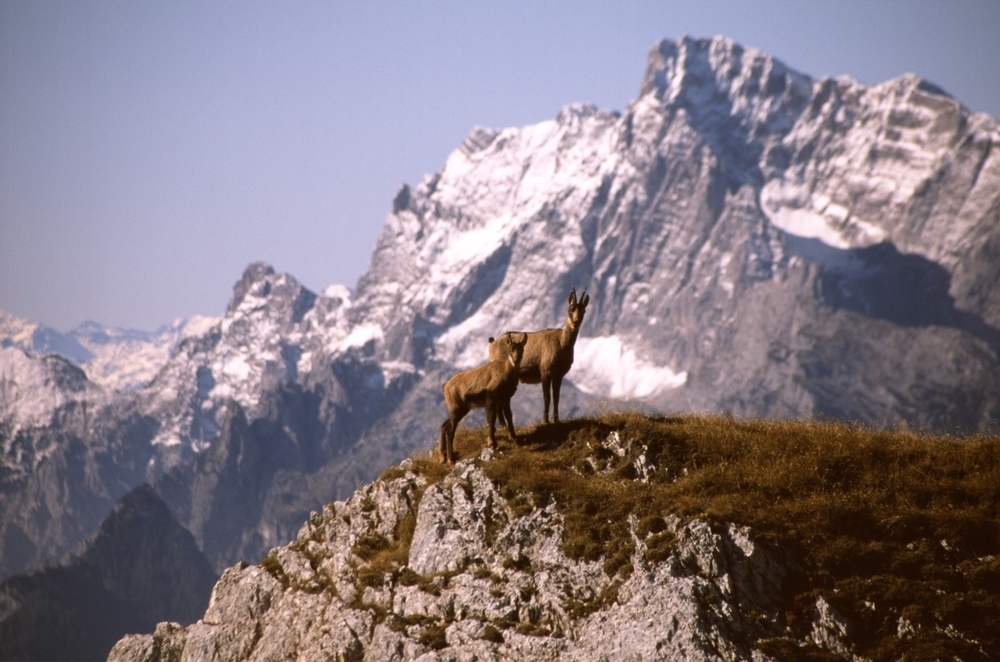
point(898, 531)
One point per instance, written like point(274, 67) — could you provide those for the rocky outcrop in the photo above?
point(448, 571)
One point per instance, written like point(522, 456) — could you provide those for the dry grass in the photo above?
point(909, 523)
point(381, 557)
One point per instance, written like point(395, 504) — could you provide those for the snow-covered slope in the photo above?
point(33, 388)
point(39, 339)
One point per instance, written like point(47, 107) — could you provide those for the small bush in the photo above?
point(659, 547)
point(407, 577)
point(369, 546)
point(522, 563)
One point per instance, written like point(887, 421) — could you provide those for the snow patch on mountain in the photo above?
point(606, 366)
point(38, 339)
point(125, 359)
point(795, 210)
point(361, 335)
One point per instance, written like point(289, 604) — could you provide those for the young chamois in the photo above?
point(548, 354)
point(489, 386)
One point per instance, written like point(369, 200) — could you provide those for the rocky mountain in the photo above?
point(140, 568)
point(753, 241)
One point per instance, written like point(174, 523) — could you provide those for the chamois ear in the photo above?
point(572, 297)
point(585, 299)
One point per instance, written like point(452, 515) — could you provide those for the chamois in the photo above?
point(489, 386)
point(548, 354)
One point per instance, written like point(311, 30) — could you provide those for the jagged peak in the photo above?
point(576, 112)
point(478, 139)
point(254, 273)
point(675, 69)
point(912, 88)
point(402, 199)
point(338, 291)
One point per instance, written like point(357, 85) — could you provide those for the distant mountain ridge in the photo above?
point(753, 241)
point(117, 359)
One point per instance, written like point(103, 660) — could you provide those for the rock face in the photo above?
point(479, 582)
point(140, 568)
point(753, 242)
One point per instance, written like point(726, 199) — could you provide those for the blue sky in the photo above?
point(150, 150)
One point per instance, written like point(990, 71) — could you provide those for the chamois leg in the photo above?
point(443, 444)
point(508, 418)
point(491, 421)
point(556, 386)
point(546, 395)
point(448, 442)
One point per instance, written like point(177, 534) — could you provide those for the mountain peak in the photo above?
point(255, 273)
point(673, 66)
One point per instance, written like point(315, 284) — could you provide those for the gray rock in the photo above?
point(483, 585)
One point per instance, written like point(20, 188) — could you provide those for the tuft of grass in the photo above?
point(433, 636)
point(522, 563)
point(392, 473)
point(904, 521)
point(581, 608)
point(384, 557)
point(490, 633)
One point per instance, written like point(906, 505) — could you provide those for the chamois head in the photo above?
point(577, 308)
point(516, 347)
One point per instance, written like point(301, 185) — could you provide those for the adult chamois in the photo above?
point(548, 354)
point(489, 386)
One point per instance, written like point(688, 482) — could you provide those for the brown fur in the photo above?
point(548, 354)
point(489, 386)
